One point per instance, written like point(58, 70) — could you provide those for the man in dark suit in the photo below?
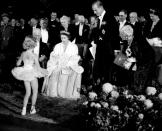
point(6, 52)
point(137, 26)
point(54, 29)
point(121, 23)
point(81, 35)
point(32, 25)
point(42, 51)
point(106, 41)
point(81, 39)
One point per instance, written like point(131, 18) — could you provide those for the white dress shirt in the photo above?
point(121, 24)
point(80, 29)
point(44, 34)
point(34, 27)
point(101, 17)
point(36, 49)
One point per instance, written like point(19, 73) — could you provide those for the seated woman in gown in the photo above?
point(64, 73)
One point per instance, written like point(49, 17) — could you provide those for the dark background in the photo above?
point(27, 8)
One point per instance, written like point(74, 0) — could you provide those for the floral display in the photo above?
point(119, 109)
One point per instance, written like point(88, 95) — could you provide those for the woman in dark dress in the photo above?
point(141, 54)
point(153, 34)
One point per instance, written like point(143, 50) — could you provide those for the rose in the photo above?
point(141, 116)
point(92, 95)
point(160, 96)
point(126, 115)
point(97, 105)
point(92, 104)
point(129, 96)
point(114, 94)
point(125, 92)
point(151, 91)
point(142, 97)
point(105, 104)
point(115, 108)
point(107, 88)
point(85, 103)
point(148, 103)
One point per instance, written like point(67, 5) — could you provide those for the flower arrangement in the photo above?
point(118, 108)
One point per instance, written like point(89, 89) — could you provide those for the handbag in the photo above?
point(121, 60)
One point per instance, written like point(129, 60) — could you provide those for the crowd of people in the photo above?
point(57, 55)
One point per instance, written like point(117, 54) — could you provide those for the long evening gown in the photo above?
point(64, 78)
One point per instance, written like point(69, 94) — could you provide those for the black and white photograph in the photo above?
point(83, 65)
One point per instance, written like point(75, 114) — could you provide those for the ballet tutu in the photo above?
point(28, 73)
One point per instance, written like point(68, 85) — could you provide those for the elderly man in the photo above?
point(137, 26)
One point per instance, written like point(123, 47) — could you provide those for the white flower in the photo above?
point(151, 91)
point(148, 103)
point(107, 88)
point(126, 115)
point(97, 105)
point(125, 92)
point(115, 94)
point(105, 104)
point(92, 104)
point(85, 103)
point(92, 95)
point(115, 108)
point(141, 116)
point(142, 97)
point(160, 96)
point(129, 96)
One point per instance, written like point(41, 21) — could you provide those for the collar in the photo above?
point(122, 22)
point(102, 15)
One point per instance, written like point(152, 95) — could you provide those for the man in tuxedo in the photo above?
point(6, 55)
point(81, 39)
point(54, 29)
point(123, 19)
point(81, 36)
point(33, 24)
point(42, 51)
point(106, 43)
point(121, 23)
point(137, 27)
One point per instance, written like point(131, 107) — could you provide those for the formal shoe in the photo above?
point(23, 113)
point(33, 111)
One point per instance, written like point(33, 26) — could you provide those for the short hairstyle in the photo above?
point(29, 42)
point(65, 18)
point(124, 10)
point(154, 11)
point(99, 3)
